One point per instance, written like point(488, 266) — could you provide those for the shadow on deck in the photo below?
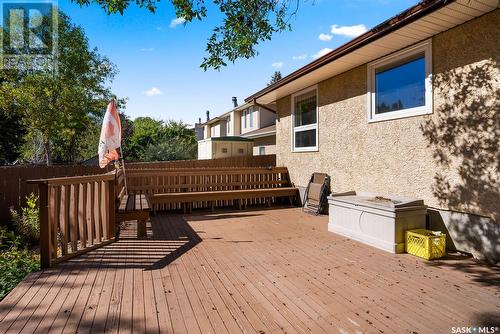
point(257, 271)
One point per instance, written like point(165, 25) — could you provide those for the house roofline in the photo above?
point(259, 135)
point(404, 18)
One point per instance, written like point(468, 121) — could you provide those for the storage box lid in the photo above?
point(377, 200)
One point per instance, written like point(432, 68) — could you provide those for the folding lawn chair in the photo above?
point(316, 193)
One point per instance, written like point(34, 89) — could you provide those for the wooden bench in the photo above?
point(224, 195)
point(171, 189)
point(132, 206)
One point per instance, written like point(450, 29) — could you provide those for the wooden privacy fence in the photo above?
point(209, 180)
point(241, 161)
point(76, 215)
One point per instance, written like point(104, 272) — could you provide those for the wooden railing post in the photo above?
point(45, 260)
point(111, 209)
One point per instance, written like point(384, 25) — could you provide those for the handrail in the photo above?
point(74, 179)
point(177, 172)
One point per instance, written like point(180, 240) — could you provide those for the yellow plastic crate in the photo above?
point(425, 244)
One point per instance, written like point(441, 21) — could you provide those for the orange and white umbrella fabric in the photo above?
point(111, 136)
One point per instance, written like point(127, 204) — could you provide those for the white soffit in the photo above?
point(432, 24)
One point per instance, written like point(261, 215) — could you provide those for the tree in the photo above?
point(275, 78)
point(155, 140)
point(146, 131)
point(12, 129)
point(12, 133)
point(171, 149)
point(59, 108)
point(245, 23)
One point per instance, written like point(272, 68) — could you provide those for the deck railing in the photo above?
point(76, 215)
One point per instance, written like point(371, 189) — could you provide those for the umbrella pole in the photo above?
point(123, 168)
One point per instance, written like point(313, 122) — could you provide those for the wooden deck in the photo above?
point(254, 271)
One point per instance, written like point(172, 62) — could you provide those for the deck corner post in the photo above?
point(45, 260)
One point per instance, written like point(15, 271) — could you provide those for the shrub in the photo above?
point(7, 238)
point(27, 221)
point(15, 264)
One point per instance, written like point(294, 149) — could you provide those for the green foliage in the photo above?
point(154, 140)
point(16, 261)
point(245, 23)
point(171, 149)
point(59, 108)
point(275, 78)
point(27, 221)
point(7, 238)
point(12, 132)
point(15, 264)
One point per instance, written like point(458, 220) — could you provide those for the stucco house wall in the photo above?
point(449, 158)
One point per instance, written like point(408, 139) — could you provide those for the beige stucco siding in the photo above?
point(405, 156)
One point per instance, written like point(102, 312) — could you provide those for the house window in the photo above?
point(400, 85)
point(229, 124)
point(262, 150)
point(241, 151)
point(224, 150)
point(305, 121)
point(250, 112)
point(245, 119)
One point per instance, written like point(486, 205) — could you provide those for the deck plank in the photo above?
point(252, 271)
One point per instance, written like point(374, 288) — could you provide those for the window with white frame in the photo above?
point(305, 121)
point(399, 85)
point(228, 121)
point(245, 118)
point(250, 113)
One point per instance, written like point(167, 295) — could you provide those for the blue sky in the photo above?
point(159, 64)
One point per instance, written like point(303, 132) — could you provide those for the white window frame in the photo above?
point(396, 58)
point(228, 124)
point(250, 115)
point(314, 126)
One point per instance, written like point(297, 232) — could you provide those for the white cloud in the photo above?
point(153, 91)
point(278, 64)
point(175, 22)
point(300, 57)
point(325, 37)
point(348, 31)
point(321, 53)
point(146, 49)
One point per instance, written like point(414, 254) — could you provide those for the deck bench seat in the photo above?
point(134, 206)
point(221, 195)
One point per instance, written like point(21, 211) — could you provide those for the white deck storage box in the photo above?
point(374, 219)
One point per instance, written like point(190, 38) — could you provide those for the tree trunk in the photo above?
point(48, 157)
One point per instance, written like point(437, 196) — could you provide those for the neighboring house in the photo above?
point(411, 107)
point(198, 130)
point(250, 124)
point(264, 140)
